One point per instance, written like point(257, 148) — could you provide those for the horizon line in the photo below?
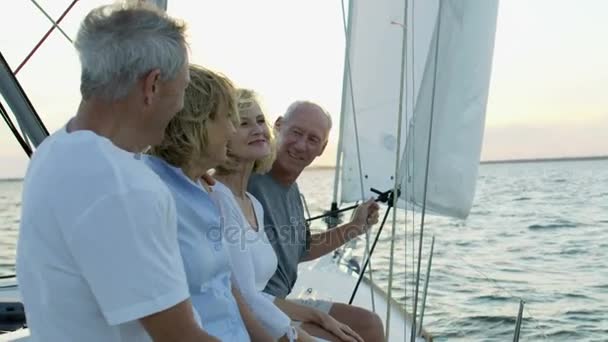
point(497, 161)
point(504, 161)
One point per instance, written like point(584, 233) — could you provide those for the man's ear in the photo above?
point(151, 84)
point(277, 123)
point(323, 148)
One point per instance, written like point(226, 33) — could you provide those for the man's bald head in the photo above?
point(309, 107)
point(303, 133)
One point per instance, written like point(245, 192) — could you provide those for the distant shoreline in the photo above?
point(505, 161)
point(537, 160)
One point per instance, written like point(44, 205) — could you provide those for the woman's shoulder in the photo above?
point(222, 191)
point(259, 211)
point(225, 198)
point(256, 203)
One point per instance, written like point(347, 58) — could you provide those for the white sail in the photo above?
point(459, 95)
point(454, 94)
point(373, 63)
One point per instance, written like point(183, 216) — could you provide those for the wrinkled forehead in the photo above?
point(310, 118)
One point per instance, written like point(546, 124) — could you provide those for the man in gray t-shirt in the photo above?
point(302, 134)
point(285, 226)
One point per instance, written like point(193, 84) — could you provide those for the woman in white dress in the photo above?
point(251, 149)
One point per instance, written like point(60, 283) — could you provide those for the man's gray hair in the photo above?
point(118, 44)
point(297, 105)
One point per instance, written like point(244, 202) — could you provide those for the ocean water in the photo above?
point(538, 232)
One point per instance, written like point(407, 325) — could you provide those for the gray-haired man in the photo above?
point(98, 258)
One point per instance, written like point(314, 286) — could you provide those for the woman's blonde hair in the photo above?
point(186, 135)
point(247, 98)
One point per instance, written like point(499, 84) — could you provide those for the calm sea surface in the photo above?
point(537, 232)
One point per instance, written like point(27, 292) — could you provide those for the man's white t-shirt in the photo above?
point(97, 244)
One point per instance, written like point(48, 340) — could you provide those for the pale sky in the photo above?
point(546, 95)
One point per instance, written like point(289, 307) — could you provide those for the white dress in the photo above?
point(252, 259)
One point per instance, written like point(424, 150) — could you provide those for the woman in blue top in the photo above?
point(194, 142)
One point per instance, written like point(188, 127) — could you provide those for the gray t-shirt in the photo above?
point(285, 227)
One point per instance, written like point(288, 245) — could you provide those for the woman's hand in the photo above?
point(341, 330)
point(303, 336)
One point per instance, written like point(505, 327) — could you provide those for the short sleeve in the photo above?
point(305, 226)
point(126, 248)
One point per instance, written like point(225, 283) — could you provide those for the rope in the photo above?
point(52, 21)
point(397, 178)
point(411, 137)
point(352, 99)
point(426, 171)
point(412, 132)
point(410, 24)
point(367, 261)
point(46, 35)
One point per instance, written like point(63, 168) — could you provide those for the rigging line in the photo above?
point(343, 103)
point(18, 136)
point(397, 185)
point(426, 171)
point(367, 261)
point(426, 285)
point(10, 276)
point(46, 35)
point(347, 32)
point(408, 20)
point(332, 212)
point(52, 21)
point(412, 133)
point(381, 198)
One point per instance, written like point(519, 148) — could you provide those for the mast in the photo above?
point(345, 77)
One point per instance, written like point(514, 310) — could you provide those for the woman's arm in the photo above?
point(255, 329)
point(317, 318)
point(298, 312)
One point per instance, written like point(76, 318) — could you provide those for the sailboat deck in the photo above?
point(323, 279)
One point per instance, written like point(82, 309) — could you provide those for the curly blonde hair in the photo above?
point(186, 135)
point(247, 98)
